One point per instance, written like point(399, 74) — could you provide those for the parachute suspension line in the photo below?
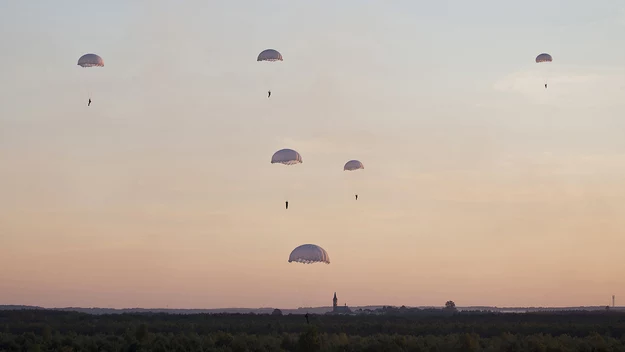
point(285, 183)
point(300, 291)
point(86, 89)
point(269, 79)
point(545, 73)
point(89, 88)
point(88, 85)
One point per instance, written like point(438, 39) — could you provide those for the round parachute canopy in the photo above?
point(309, 254)
point(353, 165)
point(286, 157)
point(269, 55)
point(543, 58)
point(90, 60)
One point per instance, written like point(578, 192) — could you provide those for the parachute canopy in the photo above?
point(286, 157)
point(353, 165)
point(543, 58)
point(269, 55)
point(309, 254)
point(90, 60)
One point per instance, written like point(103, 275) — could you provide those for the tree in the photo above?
point(309, 341)
point(468, 342)
point(142, 333)
point(450, 306)
point(46, 332)
point(288, 343)
point(276, 312)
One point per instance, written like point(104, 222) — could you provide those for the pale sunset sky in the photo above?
point(480, 186)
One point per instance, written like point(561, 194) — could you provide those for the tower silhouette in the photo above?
point(335, 302)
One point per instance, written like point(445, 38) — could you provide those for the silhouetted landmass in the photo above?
point(383, 329)
point(17, 307)
point(311, 310)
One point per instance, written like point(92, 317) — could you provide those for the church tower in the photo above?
point(335, 302)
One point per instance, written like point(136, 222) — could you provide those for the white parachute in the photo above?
point(353, 165)
point(286, 157)
point(90, 60)
point(544, 57)
point(269, 55)
point(309, 254)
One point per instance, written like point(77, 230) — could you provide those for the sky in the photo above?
point(480, 185)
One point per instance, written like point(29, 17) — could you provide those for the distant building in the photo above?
point(336, 309)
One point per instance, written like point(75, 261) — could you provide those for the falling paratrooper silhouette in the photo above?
point(287, 157)
point(353, 165)
point(309, 254)
point(269, 55)
point(544, 58)
point(90, 60)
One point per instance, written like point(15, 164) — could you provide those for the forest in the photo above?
point(391, 330)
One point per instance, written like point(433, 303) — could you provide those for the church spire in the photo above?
point(335, 301)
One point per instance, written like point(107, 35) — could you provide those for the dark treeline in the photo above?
point(47, 330)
